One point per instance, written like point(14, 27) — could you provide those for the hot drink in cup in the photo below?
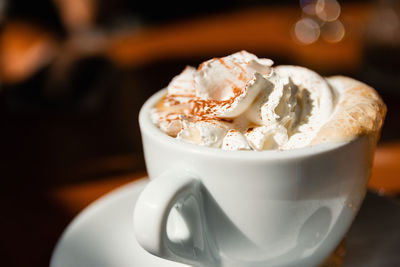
point(260, 165)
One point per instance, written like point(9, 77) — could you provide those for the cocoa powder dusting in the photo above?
point(223, 63)
point(196, 109)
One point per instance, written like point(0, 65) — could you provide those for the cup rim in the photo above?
point(147, 127)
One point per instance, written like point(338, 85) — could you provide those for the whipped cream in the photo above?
point(242, 102)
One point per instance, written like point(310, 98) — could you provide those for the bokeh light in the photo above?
point(308, 6)
point(327, 10)
point(306, 31)
point(333, 32)
point(319, 18)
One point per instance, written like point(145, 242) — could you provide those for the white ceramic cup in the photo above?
point(247, 208)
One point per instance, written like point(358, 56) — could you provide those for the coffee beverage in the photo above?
point(291, 203)
point(241, 102)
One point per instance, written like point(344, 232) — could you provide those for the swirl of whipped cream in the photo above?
point(231, 84)
point(241, 102)
point(298, 99)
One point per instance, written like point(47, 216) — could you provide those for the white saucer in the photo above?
point(102, 235)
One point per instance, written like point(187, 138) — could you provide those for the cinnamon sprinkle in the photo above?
point(197, 109)
point(223, 63)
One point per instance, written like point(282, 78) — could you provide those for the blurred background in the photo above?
point(74, 74)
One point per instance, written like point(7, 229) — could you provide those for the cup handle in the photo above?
point(173, 189)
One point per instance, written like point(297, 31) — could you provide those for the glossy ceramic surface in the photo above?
point(102, 235)
point(246, 208)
